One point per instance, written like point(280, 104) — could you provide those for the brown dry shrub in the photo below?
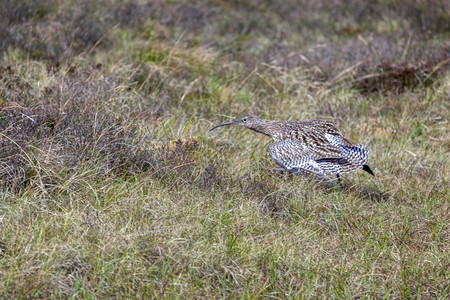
point(376, 46)
point(399, 50)
point(377, 63)
point(71, 123)
point(53, 30)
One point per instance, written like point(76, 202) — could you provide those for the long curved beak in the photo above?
point(224, 124)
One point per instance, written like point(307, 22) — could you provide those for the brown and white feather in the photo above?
point(311, 146)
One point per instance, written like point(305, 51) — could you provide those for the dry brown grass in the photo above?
point(111, 184)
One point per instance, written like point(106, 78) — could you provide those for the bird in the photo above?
point(309, 146)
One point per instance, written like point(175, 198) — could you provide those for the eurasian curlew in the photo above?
point(309, 146)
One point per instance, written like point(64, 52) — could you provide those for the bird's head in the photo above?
point(250, 121)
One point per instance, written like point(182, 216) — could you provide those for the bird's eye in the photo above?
point(244, 119)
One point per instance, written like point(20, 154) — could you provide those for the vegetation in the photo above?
point(111, 184)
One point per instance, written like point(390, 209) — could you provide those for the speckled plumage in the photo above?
point(309, 146)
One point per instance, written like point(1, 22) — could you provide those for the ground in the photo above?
point(112, 185)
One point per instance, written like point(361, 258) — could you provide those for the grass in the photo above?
point(111, 184)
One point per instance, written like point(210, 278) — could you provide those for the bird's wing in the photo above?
point(312, 146)
point(296, 157)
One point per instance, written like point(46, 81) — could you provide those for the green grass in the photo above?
point(112, 185)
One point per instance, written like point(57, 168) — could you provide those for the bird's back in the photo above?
point(311, 133)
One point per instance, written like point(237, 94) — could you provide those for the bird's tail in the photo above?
point(368, 170)
point(356, 155)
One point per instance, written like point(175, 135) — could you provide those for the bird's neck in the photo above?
point(266, 127)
